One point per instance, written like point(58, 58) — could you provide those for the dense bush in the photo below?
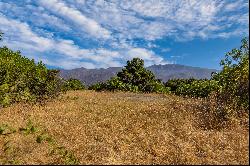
point(135, 78)
point(234, 77)
point(23, 79)
point(173, 84)
point(98, 86)
point(73, 84)
point(229, 88)
point(198, 88)
point(192, 87)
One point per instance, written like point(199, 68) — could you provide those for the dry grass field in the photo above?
point(86, 127)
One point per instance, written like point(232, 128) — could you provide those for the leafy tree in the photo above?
point(135, 73)
point(134, 77)
point(234, 77)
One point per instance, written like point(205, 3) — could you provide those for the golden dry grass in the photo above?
point(120, 128)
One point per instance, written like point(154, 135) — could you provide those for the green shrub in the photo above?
point(192, 87)
point(115, 84)
point(73, 84)
point(98, 86)
point(197, 88)
point(173, 84)
point(156, 86)
point(234, 77)
point(21, 79)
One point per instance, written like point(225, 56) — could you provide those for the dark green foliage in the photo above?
point(156, 86)
point(134, 73)
point(134, 78)
point(198, 88)
point(173, 84)
point(192, 87)
point(116, 84)
point(98, 86)
point(234, 77)
point(21, 79)
point(73, 84)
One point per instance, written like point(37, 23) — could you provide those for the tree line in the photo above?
point(21, 79)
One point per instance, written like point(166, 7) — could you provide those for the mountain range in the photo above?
point(163, 72)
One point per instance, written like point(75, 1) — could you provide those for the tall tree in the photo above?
point(134, 73)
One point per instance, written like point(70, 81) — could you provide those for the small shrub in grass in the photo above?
point(29, 129)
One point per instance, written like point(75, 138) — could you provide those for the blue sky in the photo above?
point(106, 33)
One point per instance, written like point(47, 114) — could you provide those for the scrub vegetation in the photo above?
point(133, 118)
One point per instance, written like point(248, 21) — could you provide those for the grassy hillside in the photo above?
point(86, 127)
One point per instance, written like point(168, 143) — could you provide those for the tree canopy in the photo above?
point(134, 77)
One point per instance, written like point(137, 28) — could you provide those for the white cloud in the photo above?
point(148, 56)
point(38, 18)
point(88, 25)
point(150, 8)
point(21, 37)
point(239, 4)
point(145, 19)
point(100, 33)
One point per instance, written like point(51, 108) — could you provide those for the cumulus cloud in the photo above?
point(147, 55)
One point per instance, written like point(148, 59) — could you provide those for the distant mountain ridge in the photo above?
point(163, 72)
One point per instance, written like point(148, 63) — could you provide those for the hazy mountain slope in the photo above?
point(90, 76)
point(163, 72)
point(170, 71)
